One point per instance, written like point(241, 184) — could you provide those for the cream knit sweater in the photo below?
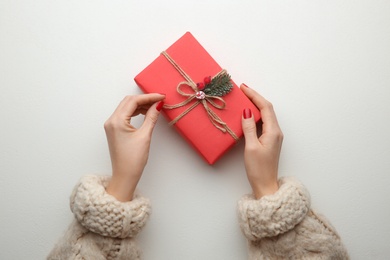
point(282, 226)
point(279, 226)
point(104, 228)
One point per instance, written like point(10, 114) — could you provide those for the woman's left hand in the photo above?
point(261, 153)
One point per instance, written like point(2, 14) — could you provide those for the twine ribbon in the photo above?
point(201, 98)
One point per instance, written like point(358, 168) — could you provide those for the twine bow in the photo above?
point(201, 98)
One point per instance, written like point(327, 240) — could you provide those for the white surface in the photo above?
point(65, 65)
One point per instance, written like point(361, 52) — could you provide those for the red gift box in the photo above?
point(161, 76)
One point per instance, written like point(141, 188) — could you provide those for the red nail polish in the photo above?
point(160, 105)
point(244, 85)
point(247, 113)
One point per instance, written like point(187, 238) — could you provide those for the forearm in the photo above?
point(287, 226)
point(102, 213)
point(101, 222)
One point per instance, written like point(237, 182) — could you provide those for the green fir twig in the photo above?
point(219, 86)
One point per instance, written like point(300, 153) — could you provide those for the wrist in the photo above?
point(261, 191)
point(122, 189)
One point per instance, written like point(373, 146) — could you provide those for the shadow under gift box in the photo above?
point(162, 77)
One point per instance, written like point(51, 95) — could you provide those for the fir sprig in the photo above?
point(219, 86)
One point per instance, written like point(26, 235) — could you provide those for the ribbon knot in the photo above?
point(201, 98)
point(200, 95)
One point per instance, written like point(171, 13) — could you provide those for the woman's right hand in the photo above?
point(129, 146)
point(261, 153)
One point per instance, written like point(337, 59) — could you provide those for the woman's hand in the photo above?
point(261, 154)
point(129, 147)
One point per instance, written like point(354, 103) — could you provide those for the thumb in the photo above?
point(249, 126)
point(151, 117)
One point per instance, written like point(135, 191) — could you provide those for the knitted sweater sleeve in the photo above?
point(101, 213)
point(283, 226)
point(104, 228)
point(274, 214)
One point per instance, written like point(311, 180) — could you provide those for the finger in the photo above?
point(151, 117)
point(131, 103)
point(249, 127)
point(140, 111)
point(268, 115)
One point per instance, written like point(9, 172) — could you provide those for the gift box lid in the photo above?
point(196, 125)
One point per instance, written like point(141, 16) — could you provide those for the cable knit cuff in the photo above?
point(101, 213)
point(274, 214)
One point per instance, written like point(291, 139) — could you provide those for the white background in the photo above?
point(65, 65)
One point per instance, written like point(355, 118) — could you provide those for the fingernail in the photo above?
point(244, 85)
point(160, 105)
point(162, 94)
point(247, 113)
